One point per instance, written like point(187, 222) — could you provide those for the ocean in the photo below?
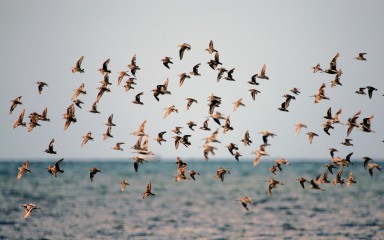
point(73, 207)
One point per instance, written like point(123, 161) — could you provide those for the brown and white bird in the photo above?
point(190, 101)
point(332, 65)
point(93, 108)
point(221, 172)
point(372, 166)
point(50, 147)
point(370, 91)
point(123, 184)
point(15, 102)
point(29, 207)
point(195, 71)
point(40, 86)
point(23, 169)
point(92, 173)
point(136, 161)
point(86, 138)
point(302, 181)
point(210, 48)
point(166, 61)
point(361, 57)
point(20, 120)
point(169, 110)
point(231, 147)
point(317, 68)
point(262, 75)
point(238, 103)
point(133, 66)
point(148, 192)
point(137, 99)
point(78, 91)
point(191, 125)
point(160, 137)
point(310, 136)
point(272, 183)
point(183, 47)
point(118, 146)
point(193, 173)
point(245, 201)
point(107, 134)
point(229, 76)
point(69, 116)
point(105, 69)
point(320, 95)
point(299, 126)
point(351, 179)
point(141, 131)
point(54, 169)
point(247, 139)
point(121, 75)
point(78, 68)
point(254, 92)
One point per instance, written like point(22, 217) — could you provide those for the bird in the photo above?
point(272, 183)
point(177, 130)
point(141, 131)
point(262, 75)
point(366, 161)
point(311, 135)
point(302, 181)
point(338, 179)
point(160, 137)
point(69, 116)
point(326, 126)
point(107, 134)
point(183, 47)
point(40, 86)
point(283, 107)
point(231, 147)
point(372, 166)
point(118, 146)
point(148, 192)
point(295, 91)
point(93, 108)
point(315, 183)
point(167, 61)
point(190, 101)
point(86, 137)
point(320, 95)
point(221, 172)
point(259, 153)
point(347, 142)
point(133, 66)
point(229, 76)
point(20, 119)
point(361, 91)
point(245, 201)
point(137, 99)
point(324, 178)
point(15, 102)
point(205, 125)
point(254, 92)
point(351, 179)
point(29, 207)
point(298, 127)
point(23, 169)
point(50, 147)
point(193, 173)
point(227, 126)
point(195, 71)
point(220, 73)
point(121, 75)
point(361, 57)
point(54, 169)
point(78, 68)
point(332, 65)
point(336, 80)
point(246, 140)
point(183, 76)
point(213, 63)
point(78, 91)
point(136, 161)
point(332, 152)
point(281, 161)
point(210, 48)
point(92, 173)
point(253, 80)
point(109, 122)
point(161, 90)
point(105, 69)
point(129, 83)
point(78, 102)
point(123, 184)
point(330, 166)
point(237, 155)
point(191, 124)
point(266, 134)
point(366, 124)
point(169, 110)
point(238, 103)
point(370, 91)
point(317, 68)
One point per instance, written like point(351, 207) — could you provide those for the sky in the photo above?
point(42, 40)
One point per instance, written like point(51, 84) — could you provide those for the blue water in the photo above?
point(73, 207)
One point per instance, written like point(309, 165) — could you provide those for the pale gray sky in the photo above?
point(42, 40)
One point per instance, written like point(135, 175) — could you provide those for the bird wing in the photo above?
point(78, 63)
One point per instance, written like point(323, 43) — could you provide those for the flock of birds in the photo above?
point(143, 152)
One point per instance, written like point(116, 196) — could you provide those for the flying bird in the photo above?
point(78, 68)
point(23, 169)
point(148, 192)
point(50, 147)
point(54, 169)
point(29, 207)
point(183, 47)
point(167, 61)
point(361, 57)
point(92, 173)
point(15, 102)
point(40, 86)
point(210, 48)
point(105, 69)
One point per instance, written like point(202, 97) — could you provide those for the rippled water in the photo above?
point(73, 207)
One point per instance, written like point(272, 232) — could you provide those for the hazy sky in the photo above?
point(42, 40)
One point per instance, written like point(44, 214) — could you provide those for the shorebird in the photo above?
point(69, 116)
point(118, 146)
point(366, 161)
point(351, 179)
point(273, 169)
point(141, 131)
point(213, 63)
point(298, 127)
point(29, 207)
point(23, 169)
point(78, 102)
point(246, 140)
point(33, 122)
point(133, 66)
point(311, 135)
point(302, 181)
point(15, 102)
point(50, 147)
point(129, 83)
point(123, 184)
point(169, 110)
point(320, 95)
point(259, 153)
point(208, 149)
point(366, 124)
point(332, 65)
point(361, 57)
point(160, 137)
point(283, 107)
point(221, 172)
point(40, 86)
point(177, 130)
point(244, 201)
point(324, 178)
point(78, 91)
point(370, 91)
point(213, 137)
point(332, 152)
point(315, 183)
point(372, 166)
point(107, 134)
point(361, 91)
point(136, 161)
point(317, 68)
point(254, 92)
point(262, 75)
point(109, 122)
point(105, 69)
point(78, 68)
point(231, 147)
point(227, 126)
point(182, 78)
point(326, 126)
point(191, 124)
point(183, 47)
point(137, 99)
point(181, 174)
point(20, 119)
point(192, 173)
point(253, 80)
point(205, 125)
point(266, 134)
point(237, 155)
point(210, 48)
point(53, 169)
point(336, 80)
point(220, 73)
point(167, 61)
point(148, 192)
point(338, 179)
point(352, 122)
point(92, 173)
point(347, 142)
point(86, 137)
point(229, 76)
point(189, 102)
point(195, 71)
point(121, 75)
point(272, 183)
point(238, 103)
point(214, 101)
point(281, 161)
point(93, 108)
